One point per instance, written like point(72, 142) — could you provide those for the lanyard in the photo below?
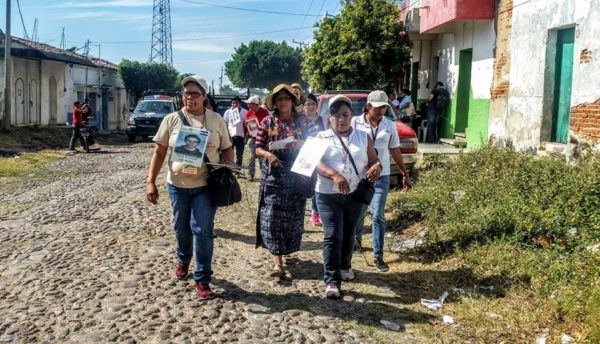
point(373, 133)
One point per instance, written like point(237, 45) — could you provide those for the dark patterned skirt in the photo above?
point(280, 221)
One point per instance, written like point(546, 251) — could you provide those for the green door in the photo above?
point(562, 86)
point(463, 90)
point(414, 82)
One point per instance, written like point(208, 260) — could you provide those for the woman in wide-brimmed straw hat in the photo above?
point(280, 221)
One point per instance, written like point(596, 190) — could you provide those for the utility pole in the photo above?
point(212, 82)
point(221, 80)
point(301, 44)
point(62, 39)
point(86, 52)
point(34, 35)
point(7, 69)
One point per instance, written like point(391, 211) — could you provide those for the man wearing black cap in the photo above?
point(235, 117)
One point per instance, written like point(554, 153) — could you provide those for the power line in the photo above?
point(207, 37)
point(304, 18)
point(322, 5)
point(22, 21)
point(248, 9)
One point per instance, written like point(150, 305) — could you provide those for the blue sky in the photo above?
point(204, 37)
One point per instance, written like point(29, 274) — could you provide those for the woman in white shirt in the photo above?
point(336, 181)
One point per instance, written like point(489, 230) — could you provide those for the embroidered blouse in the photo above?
point(273, 129)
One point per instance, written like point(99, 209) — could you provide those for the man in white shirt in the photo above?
point(235, 117)
point(387, 142)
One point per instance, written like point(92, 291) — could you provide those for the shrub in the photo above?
point(493, 193)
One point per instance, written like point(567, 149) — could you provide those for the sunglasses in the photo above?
point(188, 94)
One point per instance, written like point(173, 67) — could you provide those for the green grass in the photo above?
point(27, 163)
point(521, 223)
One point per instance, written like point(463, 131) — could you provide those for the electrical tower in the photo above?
point(162, 50)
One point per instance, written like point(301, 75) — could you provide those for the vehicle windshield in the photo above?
point(150, 106)
point(358, 103)
point(357, 106)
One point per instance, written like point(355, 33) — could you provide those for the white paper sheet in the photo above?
point(309, 156)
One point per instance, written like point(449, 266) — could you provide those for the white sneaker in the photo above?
point(347, 275)
point(332, 292)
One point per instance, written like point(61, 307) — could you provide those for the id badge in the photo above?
point(191, 171)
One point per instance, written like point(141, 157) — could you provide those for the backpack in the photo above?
point(442, 100)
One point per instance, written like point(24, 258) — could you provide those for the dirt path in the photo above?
point(83, 258)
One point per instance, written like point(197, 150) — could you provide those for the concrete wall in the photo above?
point(56, 70)
point(478, 36)
point(525, 120)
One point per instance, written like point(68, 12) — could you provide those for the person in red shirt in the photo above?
point(254, 118)
point(77, 124)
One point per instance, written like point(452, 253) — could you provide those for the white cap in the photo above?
point(196, 79)
point(377, 99)
point(340, 98)
point(253, 100)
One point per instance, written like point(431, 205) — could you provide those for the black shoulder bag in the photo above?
point(224, 189)
point(365, 190)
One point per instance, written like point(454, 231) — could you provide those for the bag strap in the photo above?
point(348, 152)
point(185, 122)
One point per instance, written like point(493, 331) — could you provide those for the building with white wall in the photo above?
point(547, 87)
point(46, 81)
point(453, 42)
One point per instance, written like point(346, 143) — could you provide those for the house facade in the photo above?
point(546, 90)
point(46, 81)
point(453, 42)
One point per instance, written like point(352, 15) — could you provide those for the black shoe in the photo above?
point(381, 265)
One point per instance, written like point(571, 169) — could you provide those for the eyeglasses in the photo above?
point(192, 141)
point(188, 94)
point(310, 104)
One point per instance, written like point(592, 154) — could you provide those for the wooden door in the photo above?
point(19, 102)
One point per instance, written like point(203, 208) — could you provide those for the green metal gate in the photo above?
point(562, 85)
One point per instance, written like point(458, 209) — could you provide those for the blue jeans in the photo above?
point(382, 187)
point(339, 214)
point(315, 207)
point(252, 161)
point(193, 218)
point(433, 120)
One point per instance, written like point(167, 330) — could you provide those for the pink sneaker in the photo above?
point(204, 292)
point(316, 220)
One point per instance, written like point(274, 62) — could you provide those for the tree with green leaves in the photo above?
point(141, 76)
point(364, 47)
point(264, 64)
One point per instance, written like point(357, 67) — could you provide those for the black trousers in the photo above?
point(238, 143)
point(76, 135)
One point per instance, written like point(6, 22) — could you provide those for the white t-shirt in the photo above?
point(235, 123)
point(337, 158)
point(387, 137)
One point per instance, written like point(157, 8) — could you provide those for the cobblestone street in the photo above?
point(84, 258)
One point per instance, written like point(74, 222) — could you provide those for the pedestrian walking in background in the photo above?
point(193, 212)
point(255, 115)
point(235, 117)
point(337, 179)
point(310, 110)
point(385, 137)
point(76, 126)
point(436, 107)
point(299, 93)
point(280, 220)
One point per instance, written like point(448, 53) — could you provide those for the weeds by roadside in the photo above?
point(535, 222)
point(26, 163)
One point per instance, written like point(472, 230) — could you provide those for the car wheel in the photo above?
point(131, 138)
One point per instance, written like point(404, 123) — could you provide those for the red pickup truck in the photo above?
point(409, 143)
